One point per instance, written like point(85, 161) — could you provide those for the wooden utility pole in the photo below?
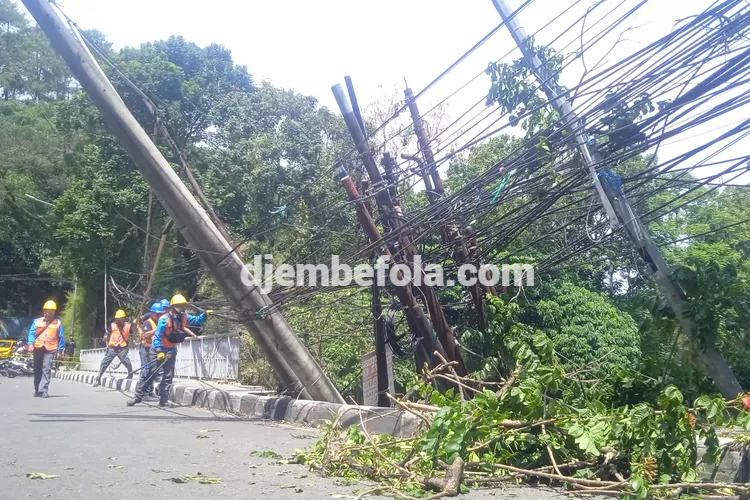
point(451, 233)
point(394, 220)
point(424, 142)
point(617, 207)
point(293, 364)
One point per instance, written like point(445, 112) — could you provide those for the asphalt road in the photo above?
point(102, 449)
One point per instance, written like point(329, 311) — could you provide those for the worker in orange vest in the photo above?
point(171, 330)
point(47, 340)
point(117, 345)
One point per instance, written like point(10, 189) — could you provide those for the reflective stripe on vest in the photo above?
point(148, 335)
point(164, 340)
point(47, 336)
point(118, 338)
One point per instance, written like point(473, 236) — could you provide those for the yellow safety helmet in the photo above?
point(50, 305)
point(178, 300)
point(120, 314)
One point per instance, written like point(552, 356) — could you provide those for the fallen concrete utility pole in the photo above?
point(615, 202)
point(296, 368)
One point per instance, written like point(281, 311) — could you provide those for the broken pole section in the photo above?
point(620, 211)
point(293, 364)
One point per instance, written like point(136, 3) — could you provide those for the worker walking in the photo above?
point(47, 341)
point(117, 345)
point(171, 330)
point(146, 332)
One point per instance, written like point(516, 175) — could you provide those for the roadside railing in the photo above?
point(215, 357)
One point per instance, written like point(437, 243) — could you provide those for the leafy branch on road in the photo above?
point(522, 430)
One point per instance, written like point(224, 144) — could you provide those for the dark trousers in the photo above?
point(43, 360)
point(143, 352)
point(111, 354)
point(167, 368)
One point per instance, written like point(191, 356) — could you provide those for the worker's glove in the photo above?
point(208, 311)
point(160, 356)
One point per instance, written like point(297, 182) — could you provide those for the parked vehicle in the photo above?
point(8, 369)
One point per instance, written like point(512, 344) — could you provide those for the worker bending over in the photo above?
point(171, 330)
point(47, 340)
point(117, 345)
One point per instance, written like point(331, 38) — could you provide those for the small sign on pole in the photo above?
point(370, 377)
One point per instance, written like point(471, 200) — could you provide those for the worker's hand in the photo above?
point(195, 337)
point(160, 356)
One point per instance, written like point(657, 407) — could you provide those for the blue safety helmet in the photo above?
point(156, 307)
point(164, 304)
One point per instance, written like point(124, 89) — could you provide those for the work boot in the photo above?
point(163, 404)
point(44, 395)
point(133, 402)
point(36, 394)
point(97, 383)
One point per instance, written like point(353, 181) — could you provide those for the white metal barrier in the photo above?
point(214, 357)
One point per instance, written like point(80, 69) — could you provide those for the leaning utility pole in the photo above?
point(293, 364)
point(617, 207)
point(451, 233)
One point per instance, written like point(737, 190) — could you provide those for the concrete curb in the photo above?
point(299, 411)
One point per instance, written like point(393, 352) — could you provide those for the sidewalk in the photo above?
point(260, 402)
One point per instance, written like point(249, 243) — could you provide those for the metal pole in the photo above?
point(355, 104)
point(73, 313)
point(424, 143)
point(297, 370)
point(616, 205)
point(106, 316)
point(380, 348)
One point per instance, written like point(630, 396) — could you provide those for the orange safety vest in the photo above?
point(47, 335)
point(118, 338)
point(170, 326)
point(148, 336)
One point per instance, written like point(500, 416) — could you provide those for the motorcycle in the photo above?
point(8, 369)
point(22, 366)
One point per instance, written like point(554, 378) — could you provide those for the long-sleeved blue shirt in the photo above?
point(60, 334)
point(161, 329)
point(198, 320)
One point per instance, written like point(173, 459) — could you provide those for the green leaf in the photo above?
point(41, 475)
